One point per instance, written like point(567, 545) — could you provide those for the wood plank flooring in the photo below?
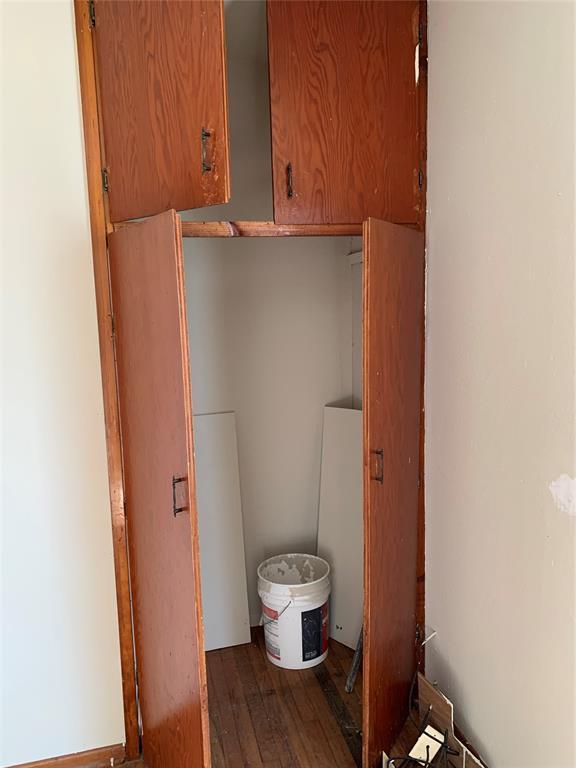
point(262, 716)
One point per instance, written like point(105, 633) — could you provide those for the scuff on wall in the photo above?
point(563, 491)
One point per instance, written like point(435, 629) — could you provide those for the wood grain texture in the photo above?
point(108, 368)
point(266, 717)
point(393, 321)
point(422, 112)
point(103, 757)
point(260, 229)
point(344, 110)
point(156, 417)
point(162, 78)
point(423, 106)
point(266, 229)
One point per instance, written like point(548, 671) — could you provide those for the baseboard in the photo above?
point(103, 757)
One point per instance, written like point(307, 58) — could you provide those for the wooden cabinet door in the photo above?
point(162, 100)
point(393, 328)
point(344, 110)
point(148, 300)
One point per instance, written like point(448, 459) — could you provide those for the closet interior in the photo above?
point(274, 328)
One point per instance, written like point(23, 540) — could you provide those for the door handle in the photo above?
point(289, 181)
point(176, 509)
point(379, 476)
point(205, 135)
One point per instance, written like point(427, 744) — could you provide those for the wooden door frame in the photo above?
point(101, 226)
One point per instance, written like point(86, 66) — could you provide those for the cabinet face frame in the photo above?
point(101, 226)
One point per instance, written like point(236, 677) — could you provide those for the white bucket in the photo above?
point(294, 590)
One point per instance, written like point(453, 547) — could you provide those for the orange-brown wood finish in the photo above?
point(266, 229)
point(262, 716)
point(260, 229)
point(393, 326)
point(156, 417)
point(423, 96)
point(344, 110)
point(108, 368)
point(161, 79)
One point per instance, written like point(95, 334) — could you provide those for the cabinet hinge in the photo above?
point(105, 185)
point(113, 325)
point(92, 13)
point(420, 178)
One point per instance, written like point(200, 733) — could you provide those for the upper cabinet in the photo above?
point(162, 99)
point(344, 93)
point(347, 107)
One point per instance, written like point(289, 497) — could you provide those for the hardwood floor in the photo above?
point(265, 717)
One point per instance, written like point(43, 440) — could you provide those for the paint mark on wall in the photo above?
point(563, 492)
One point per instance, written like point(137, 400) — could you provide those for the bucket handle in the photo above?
point(270, 621)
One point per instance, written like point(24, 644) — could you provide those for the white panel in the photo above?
point(223, 568)
point(61, 684)
point(340, 525)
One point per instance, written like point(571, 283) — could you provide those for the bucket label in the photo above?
point(314, 632)
point(269, 616)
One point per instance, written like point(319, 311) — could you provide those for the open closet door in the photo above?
point(162, 100)
point(146, 274)
point(393, 327)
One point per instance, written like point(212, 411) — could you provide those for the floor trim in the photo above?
point(103, 757)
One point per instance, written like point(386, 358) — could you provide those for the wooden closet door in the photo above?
point(156, 422)
point(162, 99)
point(393, 328)
point(344, 110)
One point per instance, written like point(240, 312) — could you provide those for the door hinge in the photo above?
point(92, 13)
point(113, 325)
point(105, 182)
point(420, 32)
point(420, 178)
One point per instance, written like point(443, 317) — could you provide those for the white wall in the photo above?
point(61, 683)
point(500, 374)
point(266, 325)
